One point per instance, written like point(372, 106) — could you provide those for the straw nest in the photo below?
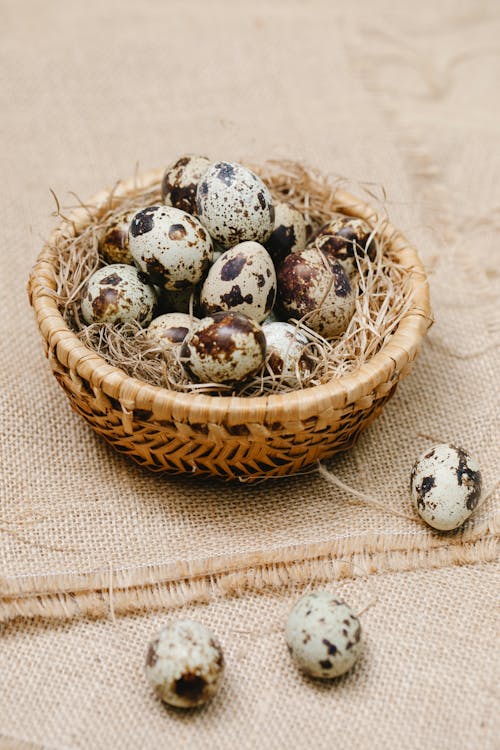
point(141, 399)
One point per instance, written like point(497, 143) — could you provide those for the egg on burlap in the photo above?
point(185, 664)
point(323, 635)
point(445, 486)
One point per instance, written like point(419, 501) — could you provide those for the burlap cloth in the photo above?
point(95, 552)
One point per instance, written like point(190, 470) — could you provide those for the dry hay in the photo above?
point(383, 298)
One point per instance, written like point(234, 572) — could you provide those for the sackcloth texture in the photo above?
point(95, 553)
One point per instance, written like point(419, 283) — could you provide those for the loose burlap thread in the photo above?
point(87, 539)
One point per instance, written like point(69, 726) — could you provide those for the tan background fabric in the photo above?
point(399, 97)
point(420, 683)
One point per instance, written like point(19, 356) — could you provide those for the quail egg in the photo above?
point(234, 204)
point(185, 664)
point(170, 246)
point(323, 635)
point(180, 181)
point(179, 300)
point(170, 330)
point(118, 293)
point(225, 347)
point(285, 352)
point(344, 238)
point(271, 318)
point(113, 245)
point(289, 233)
point(445, 486)
point(242, 280)
point(312, 283)
point(218, 251)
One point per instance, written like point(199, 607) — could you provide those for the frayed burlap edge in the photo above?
point(109, 592)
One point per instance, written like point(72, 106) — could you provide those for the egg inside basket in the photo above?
point(143, 399)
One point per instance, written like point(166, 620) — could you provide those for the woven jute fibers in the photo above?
point(428, 672)
point(403, 97)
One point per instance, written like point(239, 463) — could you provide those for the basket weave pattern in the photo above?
point(230, 437)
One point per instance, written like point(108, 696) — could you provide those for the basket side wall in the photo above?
point(245, 452)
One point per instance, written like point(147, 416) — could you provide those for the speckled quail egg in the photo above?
point(170, 330)
point(179, 300)
point(242, 280)
point(118, 294)
point(225, 347)
point(445, 486)
point(345, 237)
point(170, 246)
point(289, 233)
point(185, 664)
point(285, 351)
point(180, 181)
point(271, 318)
point(313, 284)
point(218, 250)
point(113, 245)
point(234, 204)
point(323, 635)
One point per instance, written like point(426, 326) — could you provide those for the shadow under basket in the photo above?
point(245, 438)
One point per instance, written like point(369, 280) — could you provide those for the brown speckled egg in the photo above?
point(170, 330)
point(344, 237)
point(113, 245)
point(234, 204)
point(179, 300)
point(323, 635)
point(180, 181)
point(285, 351)
point(170, 246)
point(445, 486)
point(313, 284)
point(242, 280)
point(289, 233)
point(271, 318)
point(185, 664)
point(225, 347)
point(218, 250)
point(118, 294)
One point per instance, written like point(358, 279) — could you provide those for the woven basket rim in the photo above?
point(194, 408)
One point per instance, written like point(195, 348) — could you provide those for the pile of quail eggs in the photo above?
point(218, 245)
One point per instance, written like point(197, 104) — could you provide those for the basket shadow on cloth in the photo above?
point(245, 438)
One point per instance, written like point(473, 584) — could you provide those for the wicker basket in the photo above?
point(230, 437)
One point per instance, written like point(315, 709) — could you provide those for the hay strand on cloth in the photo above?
point(383, 299)
point(361, 497)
